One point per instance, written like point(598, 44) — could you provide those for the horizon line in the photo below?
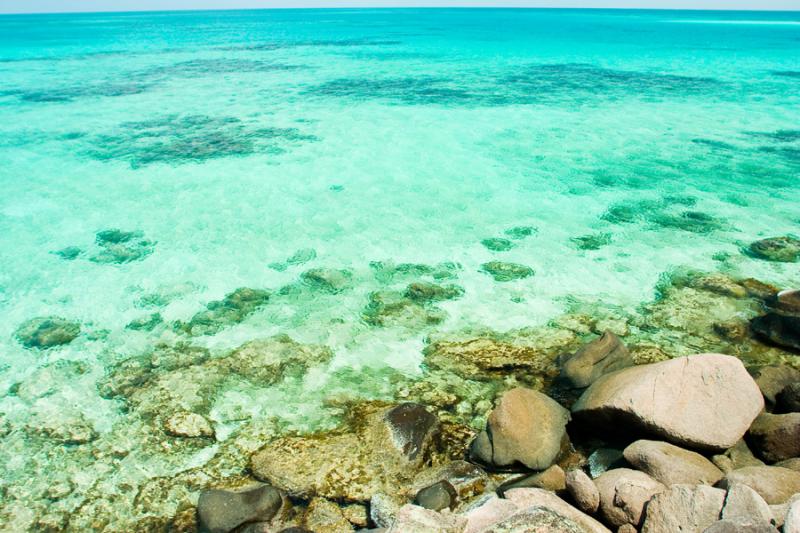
point(390, 7)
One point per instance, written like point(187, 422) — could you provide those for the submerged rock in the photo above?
point(327, 279)
point(188, 425)
point(784, 249)
point(526, 428)
point(594, 241)
point(693, 221)
point(497, 244)
point(601, 356)
point(69, 253)
point(441, 495)
point(392, 308)
point(384, 450)
point(221, 511)
point(520, 232)
point(324, 516)
point(424, 292)
point(232, 309)
point(146, 323)
point(386, 272)
point(300, 257)
point(780, 329)
point(119, 247)
point(47, 332)
point(503, 272)
point(718, 400)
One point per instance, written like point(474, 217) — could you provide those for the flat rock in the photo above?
point(683, 508)
point(601, 356)
point(529, 497)
point(383, 451)
point(525, 428)
point(415, 519)
point(441, 495)
point(704, 401)
point(670, 464)
point(623, 495)
point(583, 491)
point(775, 437)
point(490, 510)
point(220, 511)
point(773, 483)
point(552, 479)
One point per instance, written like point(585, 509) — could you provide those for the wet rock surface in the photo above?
point(221, 511)
point(784, 249)
point(47, 332)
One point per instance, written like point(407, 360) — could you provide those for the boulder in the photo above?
point(525, 428)
point(601, 356)
point(382, 451)
point(772, 379)
point(415, 519)
point(788, 400)
point(583, 491)
point(220, 511)
point(623, 495)
point(528, 497)
point(791, 464)
point(47, 332)
point(552, 479)
point(787, 302)
point(466, 478)
point(489, 510)
point(535, 520)
point(782, 330)
point(684, 508)
point(704, 401)
point(773, 483)
point(742, 502)
point(740, 525)
point(324, 516)
point(775, 437)
point(670, 464)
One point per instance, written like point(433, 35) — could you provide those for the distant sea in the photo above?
point(368, 149)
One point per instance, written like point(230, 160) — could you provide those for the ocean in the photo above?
point(514, 164)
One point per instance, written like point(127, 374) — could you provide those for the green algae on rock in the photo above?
point(784, 249)
point(593, 241)
point(47, 332)
point(119, 247)
point(219, 314)
point(328, 280)
point(497, 244)
point(502, 271)
point(393, 308)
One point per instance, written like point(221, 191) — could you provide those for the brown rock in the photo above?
point(735, 457)
point(773, 378)
point(441, 495)
point(704, 401)
point(744, 503)
point(671, 465)
point(526, 498)
point(414, 519)
point(324, 516)
point(788, 400)
point(552, 479)
point(776, 437)
point(601, 356)
point(740, 525)
point(773, 483)
point(623, 495)
point(188, 425)
point(683, 508)
point(526, 427)
point(791, 464)
point(583, 491)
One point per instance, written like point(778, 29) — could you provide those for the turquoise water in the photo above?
point(229, 141)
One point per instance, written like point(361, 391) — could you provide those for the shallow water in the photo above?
point(634, 142)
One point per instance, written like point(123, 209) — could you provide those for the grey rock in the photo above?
point(740, 525)
point(220, 511)
point(670, 464)
point(601, 356)
point(780, 329)
point(439, 496)
point(742, 502)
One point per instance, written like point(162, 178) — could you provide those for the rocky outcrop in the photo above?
point(384, 450)
point(684, 508)
point(526, 428)
point(775, 437)
point(601, 356)
point(624, 494)
point(670, 464)
point(703, 401)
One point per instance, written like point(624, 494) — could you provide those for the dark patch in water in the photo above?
point(409, 90)
point(279, 45)
point(692, 221)
point(786, 73)
point(790, 154)
point(199, 67)
point(715, 145)
point(177, 139)
point(67, 94)
point(778, 136)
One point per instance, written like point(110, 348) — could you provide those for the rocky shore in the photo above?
point(698, 443)
point(682, 415)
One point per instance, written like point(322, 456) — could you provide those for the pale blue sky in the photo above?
point(49, 6)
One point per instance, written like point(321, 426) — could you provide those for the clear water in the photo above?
point(234, 139)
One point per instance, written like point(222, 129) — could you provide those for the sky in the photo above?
point(51, 6)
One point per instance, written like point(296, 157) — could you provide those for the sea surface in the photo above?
point(241, 149)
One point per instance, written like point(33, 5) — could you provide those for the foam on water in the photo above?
point(231, 141)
